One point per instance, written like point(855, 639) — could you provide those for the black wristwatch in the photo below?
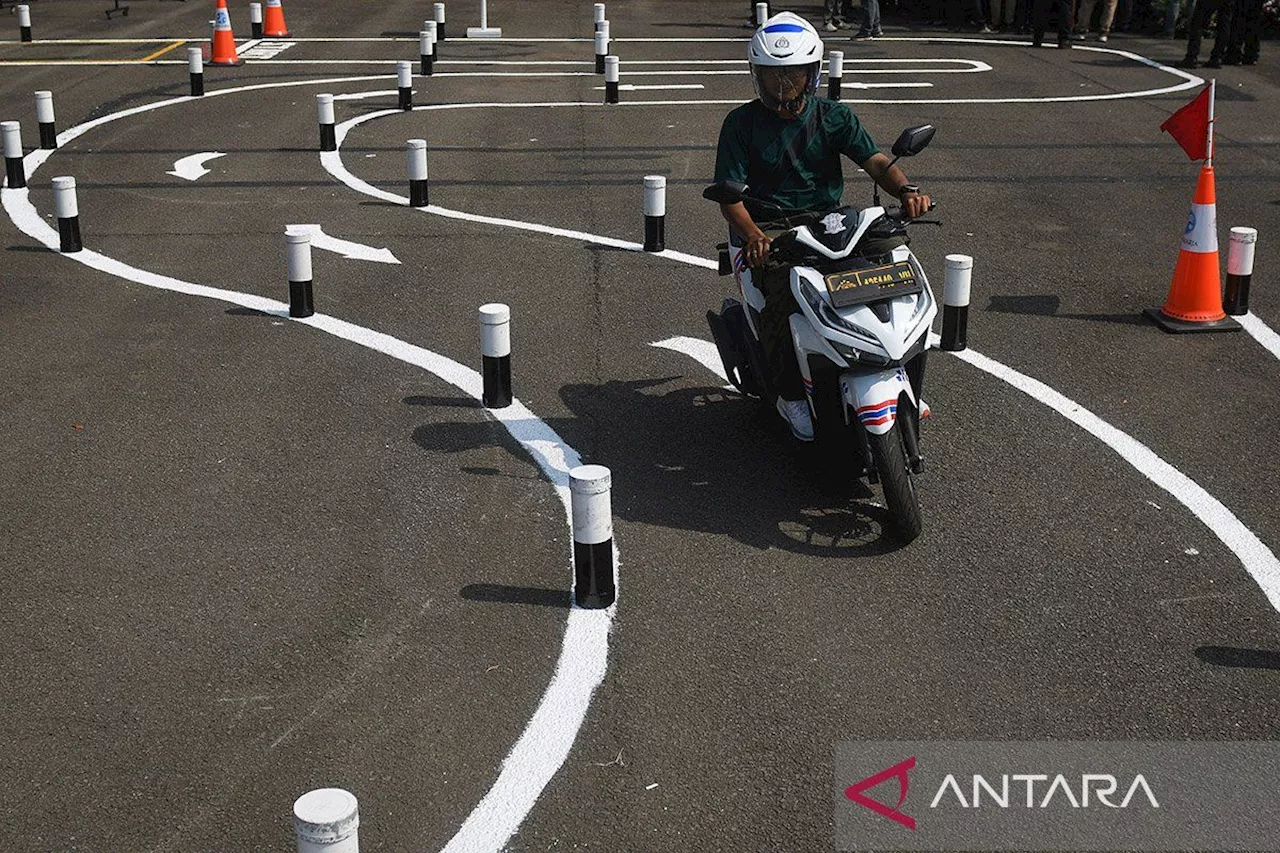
point(908, 188)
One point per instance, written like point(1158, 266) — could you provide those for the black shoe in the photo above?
point(1249, 60)
point(1229, 59)
point(1063, 44)
point(1213, 63)
point(1189, 62)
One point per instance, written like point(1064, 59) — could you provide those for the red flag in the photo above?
point(1190, 126)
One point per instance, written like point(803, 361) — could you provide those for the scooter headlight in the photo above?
point(830, 317)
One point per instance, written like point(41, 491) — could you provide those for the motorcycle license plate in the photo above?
point(854, 287)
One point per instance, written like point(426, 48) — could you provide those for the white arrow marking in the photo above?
point(346, 248)
point(192, 168)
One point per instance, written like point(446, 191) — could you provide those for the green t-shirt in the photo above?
point(753, 150)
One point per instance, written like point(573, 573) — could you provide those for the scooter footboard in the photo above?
point(873, 397)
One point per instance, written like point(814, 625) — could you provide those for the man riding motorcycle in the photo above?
point(786, 146)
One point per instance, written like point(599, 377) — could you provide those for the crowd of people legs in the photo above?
point(1237, 35)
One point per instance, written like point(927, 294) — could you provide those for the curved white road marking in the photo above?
point(192, 168)
point(1258, 560)
point(549, 735)
point(1262, 333)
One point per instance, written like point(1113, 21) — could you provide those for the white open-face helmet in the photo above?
point(786, 39)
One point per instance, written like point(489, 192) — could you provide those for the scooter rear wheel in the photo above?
point(890, 455)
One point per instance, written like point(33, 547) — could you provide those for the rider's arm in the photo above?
point(894, 181)
point(740, 221)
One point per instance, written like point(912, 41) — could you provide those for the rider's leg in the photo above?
point(775, 332)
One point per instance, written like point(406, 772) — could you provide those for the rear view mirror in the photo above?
point(725, 192)
point(913, 140)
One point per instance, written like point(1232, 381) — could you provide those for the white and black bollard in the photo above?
point(195, 65)
point(44, 117)
point(655, 213)
point(955, 303)
point(599, 15)
point(328, 136)
point(255, 20)
point(404, 82)
point(762, 14)
point(67, 210)
point(301, 299)
point(24, 23)
point(417, 149)
point(327, 820)
point(427, 53)
point(495, 354)
point(592, 514)
point(611, 79)
point(835, 74)
point(438, 10)
point(1239, 270)
point(14, 171)
point(602, 50)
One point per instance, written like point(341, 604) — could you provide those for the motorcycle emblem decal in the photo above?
point(834, 223)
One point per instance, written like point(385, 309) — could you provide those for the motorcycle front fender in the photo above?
point(873, 397)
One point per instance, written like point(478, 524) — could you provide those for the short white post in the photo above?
point(495, 354)
point(24, 23)
point(1239, 270)
point(955, 303)
point(14, 170)
point(44, 117)
point(835, 74)
point(602, 50)
point(67, 210)
point(599, 13)
point(301, 299)
point(611, 79)
point(328, 134)
point(327, 820)
point(655, 213)
point(404, 83)
point(762, 14)
point(195, 67)
point(417, 153)
point(592, 514)
point(255, 20)
point(438, 8)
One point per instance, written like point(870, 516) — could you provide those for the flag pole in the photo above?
point(1208, 147)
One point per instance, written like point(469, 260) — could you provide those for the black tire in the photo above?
point(890, 456)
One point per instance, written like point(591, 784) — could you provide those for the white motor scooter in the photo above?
point(860, 339)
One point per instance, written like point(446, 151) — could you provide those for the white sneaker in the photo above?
point(796, 414)
point(829, 27)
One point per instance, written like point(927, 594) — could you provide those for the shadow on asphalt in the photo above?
point(1047, 306)
point(1239, 658)
point(700, 459)
point(502, 594)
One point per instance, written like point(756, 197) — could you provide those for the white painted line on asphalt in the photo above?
point(631, 87)
point(192, 168)
point(853, 84)
point(703, 352)
point(1262, 333)
point(1258, 560)
point(545, 743)
point(346, 248)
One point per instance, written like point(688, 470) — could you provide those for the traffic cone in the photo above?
point(1194, 303)
point(274, 26)
point(224, 41)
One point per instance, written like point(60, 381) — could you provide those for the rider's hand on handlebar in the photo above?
point(757, 249)
point(915, 204)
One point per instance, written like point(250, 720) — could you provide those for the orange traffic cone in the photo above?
point(224, 41)
point(1194, 303)
point(273, 26)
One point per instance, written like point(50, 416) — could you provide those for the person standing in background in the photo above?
point(1205, 10)
point(1040, 21)
point(1085, 14)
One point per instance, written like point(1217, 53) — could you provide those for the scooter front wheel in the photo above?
point(890, 455)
